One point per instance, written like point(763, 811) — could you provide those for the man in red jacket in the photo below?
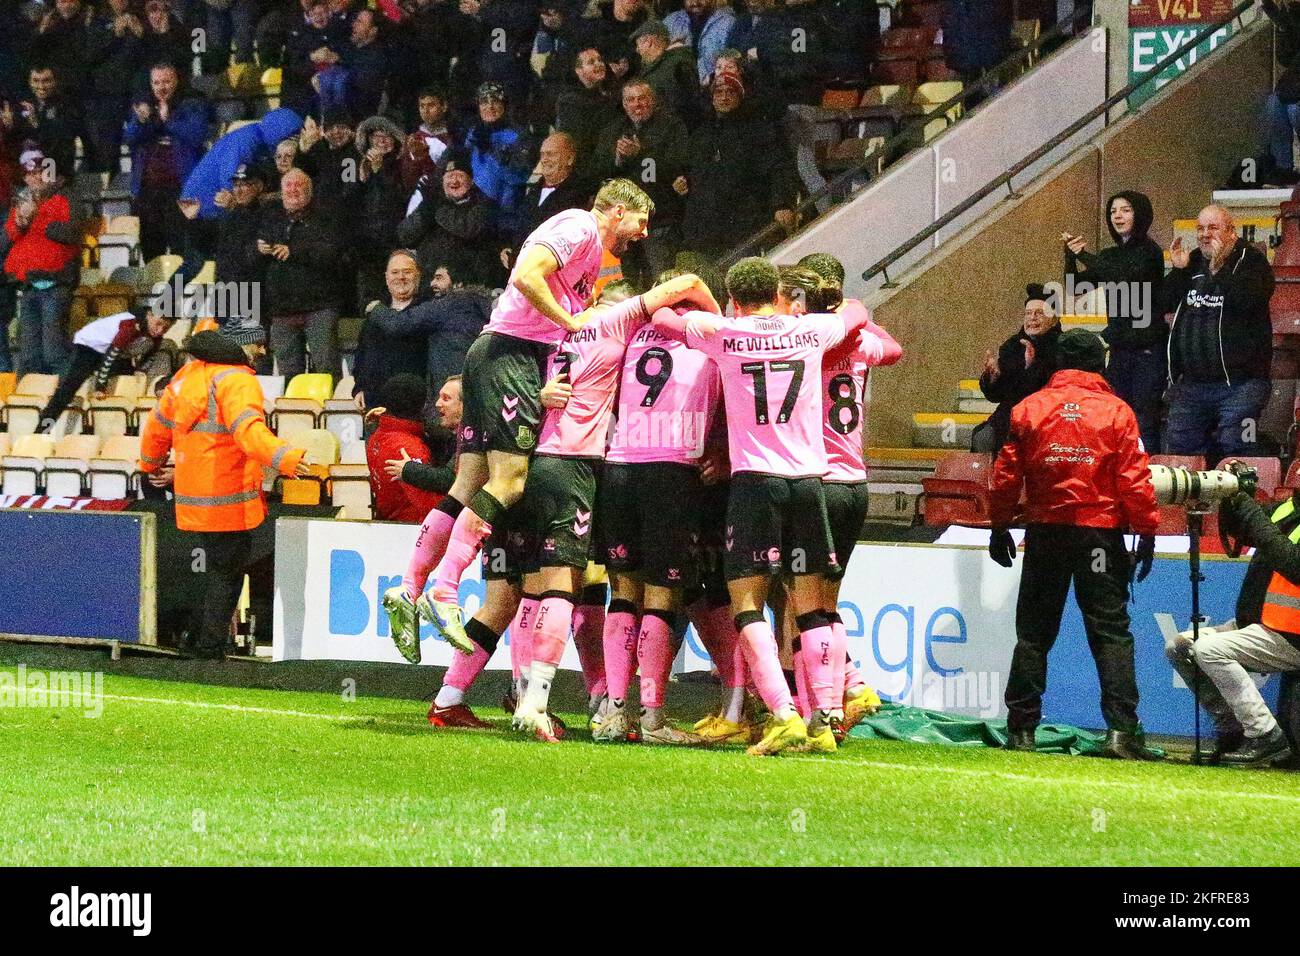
point(1074, 447)
point(400, 435)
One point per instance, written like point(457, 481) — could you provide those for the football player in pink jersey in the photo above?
point(545, 299)
point(648, 524)
point(549, 532)
point(818, 287)
point(776, 515)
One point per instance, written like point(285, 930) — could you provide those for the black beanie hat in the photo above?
point(1081, 349)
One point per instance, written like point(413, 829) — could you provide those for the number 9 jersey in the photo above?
point(666, 402)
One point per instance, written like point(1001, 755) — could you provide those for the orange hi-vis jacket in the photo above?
point(212, 415)
point(1281, 609)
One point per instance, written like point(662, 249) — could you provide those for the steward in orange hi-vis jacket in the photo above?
point(1074, 446)
point(211, 414)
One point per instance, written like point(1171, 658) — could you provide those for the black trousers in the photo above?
point(1096, 560)
point(225, 555)
point(84, 363)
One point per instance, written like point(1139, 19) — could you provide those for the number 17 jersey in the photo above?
point(772, 386)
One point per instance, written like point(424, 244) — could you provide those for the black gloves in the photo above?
point(1002, 547)
point(1144, 556)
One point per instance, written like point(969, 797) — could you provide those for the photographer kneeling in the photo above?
point(1265, 637)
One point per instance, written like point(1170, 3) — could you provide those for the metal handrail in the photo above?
point(1004, 179)
point(908, 129)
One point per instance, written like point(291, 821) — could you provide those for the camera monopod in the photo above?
point(1197, 491)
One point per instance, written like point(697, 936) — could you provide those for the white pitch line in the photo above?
point(1060, 781)
point(874, 764)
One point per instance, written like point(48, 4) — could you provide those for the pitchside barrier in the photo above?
point(931, 625)
point(77, 575)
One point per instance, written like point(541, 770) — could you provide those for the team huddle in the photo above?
point(729, 479)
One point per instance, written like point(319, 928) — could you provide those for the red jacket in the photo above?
point(396, 500)
point(34, 251)
point(1074, 445)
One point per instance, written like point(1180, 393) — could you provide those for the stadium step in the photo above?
point(944, 430)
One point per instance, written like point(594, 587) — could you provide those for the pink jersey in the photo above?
point(844, 384)
point(593, 358)
point(773, 398)
point(667, 398)
point(574, 238)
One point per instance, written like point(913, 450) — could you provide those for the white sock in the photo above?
point(539, 685)
point(521, 685)
point(735, 705)
point(785, 713)
point(651, 718)
point(449, 696)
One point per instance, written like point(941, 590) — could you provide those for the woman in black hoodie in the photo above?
point(1133, 269)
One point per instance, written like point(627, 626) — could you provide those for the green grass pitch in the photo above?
point(185, 766)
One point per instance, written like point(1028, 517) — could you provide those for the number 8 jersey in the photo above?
point(667, 397)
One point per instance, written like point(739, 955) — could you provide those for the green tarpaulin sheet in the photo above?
point(914, 725)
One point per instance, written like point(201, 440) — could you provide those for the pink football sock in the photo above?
point(521, 636)
point(802, 699)
point(429, 548)
point(820, 665)
point(588, 637)
point(655, 654)
point(759, 647)
point(619, 644)
point(840, 657)
point(554, 617)
point(717, 631)
point(465, 668)
point(467, 536)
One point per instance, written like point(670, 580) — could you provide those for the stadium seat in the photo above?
point(272, 388)
point(67, 466)
point(322, 446)
point(22, 409)
point(342, 417)
point(179, 331)
point(160, 269)
point(291, 416)
point(350, 490)
point(4, 444)
point(929, 97)
point(353, 453)
point(317, 386)
point(8, 382)
point(113, 472)
point(24, 465)
point(839, 99)
point(111, 415)
point(958, 493)
point(345, 386)
point(1284, 307)
point(1024, 34)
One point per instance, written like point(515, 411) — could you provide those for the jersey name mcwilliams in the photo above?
point(781, 343)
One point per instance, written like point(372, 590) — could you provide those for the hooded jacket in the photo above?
point(398, 500)
point(248, 144)
point(502, 159)
point(49, 248)
point(1074, 446)
point(1221, 330)
point(1138, 263)
point(1274, 554)
point(211, 413)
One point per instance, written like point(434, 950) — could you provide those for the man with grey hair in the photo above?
point(303, 251)
point(1221, 340)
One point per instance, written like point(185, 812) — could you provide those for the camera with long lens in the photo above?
point(1182, 486)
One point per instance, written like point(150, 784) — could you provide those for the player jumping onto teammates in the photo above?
point(545, 299)
point(776, 515)
point(552, 523)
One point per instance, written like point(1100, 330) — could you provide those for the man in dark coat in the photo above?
point(452, 225)
point(1023, 365)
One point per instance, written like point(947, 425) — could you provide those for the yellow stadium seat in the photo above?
point(8, 382)
point(272, 77)
point(25, 463)
point(314, 385)
point(112, 471)
point(322, 446)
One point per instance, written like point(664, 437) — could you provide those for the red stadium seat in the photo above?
point(958, 492)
